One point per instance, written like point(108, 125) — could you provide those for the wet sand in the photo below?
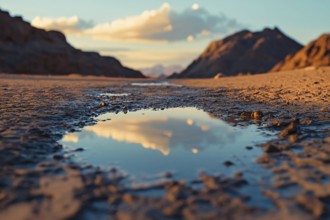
point(39, 180)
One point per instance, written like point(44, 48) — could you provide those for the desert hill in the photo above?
point(316, 53)
point(242, 52)
point(26, 49)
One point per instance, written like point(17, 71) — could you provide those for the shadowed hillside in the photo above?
point(25, 49)
point(316, 53)
point(243, 52)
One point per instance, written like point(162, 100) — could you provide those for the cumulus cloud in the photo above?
point(160, 25)
point(136, 28)
point(165, 24)
point(197, 22)
point(65, 24)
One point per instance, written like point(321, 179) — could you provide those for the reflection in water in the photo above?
point(156, 84)
point(71, 137)
point(163, 133)
point(180, 139)
point(136, 131)
point(114, 94)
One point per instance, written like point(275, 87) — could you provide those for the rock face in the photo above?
point(316, 53)
point(25, 49)
point(243, 52)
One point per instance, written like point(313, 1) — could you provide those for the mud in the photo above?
point(39, 179)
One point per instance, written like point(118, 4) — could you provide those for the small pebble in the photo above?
point(257, 115)
point(58, 157)
point(2, 195)
point(292, 128)
point(293, 138)
point(324, 109)
point(246, 115)
point(269, 148)
point(129, 198)
point(228, 163)
point(103, 104)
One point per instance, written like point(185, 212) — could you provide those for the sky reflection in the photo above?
point(183, 140)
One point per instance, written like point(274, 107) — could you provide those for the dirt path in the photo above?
point(38, 180)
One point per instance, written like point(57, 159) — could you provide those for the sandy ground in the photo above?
point(39, 179)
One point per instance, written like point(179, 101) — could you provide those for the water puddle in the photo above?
point(156, 84)
point(182, 141)
point(114, 94)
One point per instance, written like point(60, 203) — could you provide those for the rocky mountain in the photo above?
point(26, 49)
point(242, 52)
point(316, 53)
point(161, 70)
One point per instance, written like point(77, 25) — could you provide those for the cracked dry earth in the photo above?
point(40, 180)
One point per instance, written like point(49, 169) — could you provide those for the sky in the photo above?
point(145, 33)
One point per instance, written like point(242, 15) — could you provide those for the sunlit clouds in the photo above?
point(159, 25)
point(71, 137)
point(136, 131)
point(142, 27)
point(190, 38)
point(194, 151)
point(162, 133)
point(141, 40)
point(195, 6)
point(190, 122)
point(65, 24)
point(151, 56)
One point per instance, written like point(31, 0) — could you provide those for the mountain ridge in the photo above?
point(316, 53)
point(242, 52)
point(29, 50)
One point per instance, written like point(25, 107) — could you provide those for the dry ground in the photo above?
point(38, 179)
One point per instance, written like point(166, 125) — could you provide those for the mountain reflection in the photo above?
point(164, 132)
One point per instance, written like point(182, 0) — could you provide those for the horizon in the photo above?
point(166, 33)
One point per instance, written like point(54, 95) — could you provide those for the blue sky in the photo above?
point(168, 32)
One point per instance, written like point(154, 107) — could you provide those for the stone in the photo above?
point(269, 148)
point(324, 109)
point(228, 163)
point(292, 128)
point(218, 76)
point(103, 104)
point(257, 115)
point(58, 157)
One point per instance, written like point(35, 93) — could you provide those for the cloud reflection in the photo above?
point(71, 137)
point(165, 133)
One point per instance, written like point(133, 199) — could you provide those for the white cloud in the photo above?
point(71, 137)
point(190, 38)
point(65, 24)
point(195, 6)
point(135, 28)
point(160, 25)
point(165, 24)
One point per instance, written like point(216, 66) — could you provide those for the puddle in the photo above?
point(156, 84)
point(114, 94)
point(183, 141)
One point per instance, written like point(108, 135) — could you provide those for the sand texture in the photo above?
point(40, 180)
